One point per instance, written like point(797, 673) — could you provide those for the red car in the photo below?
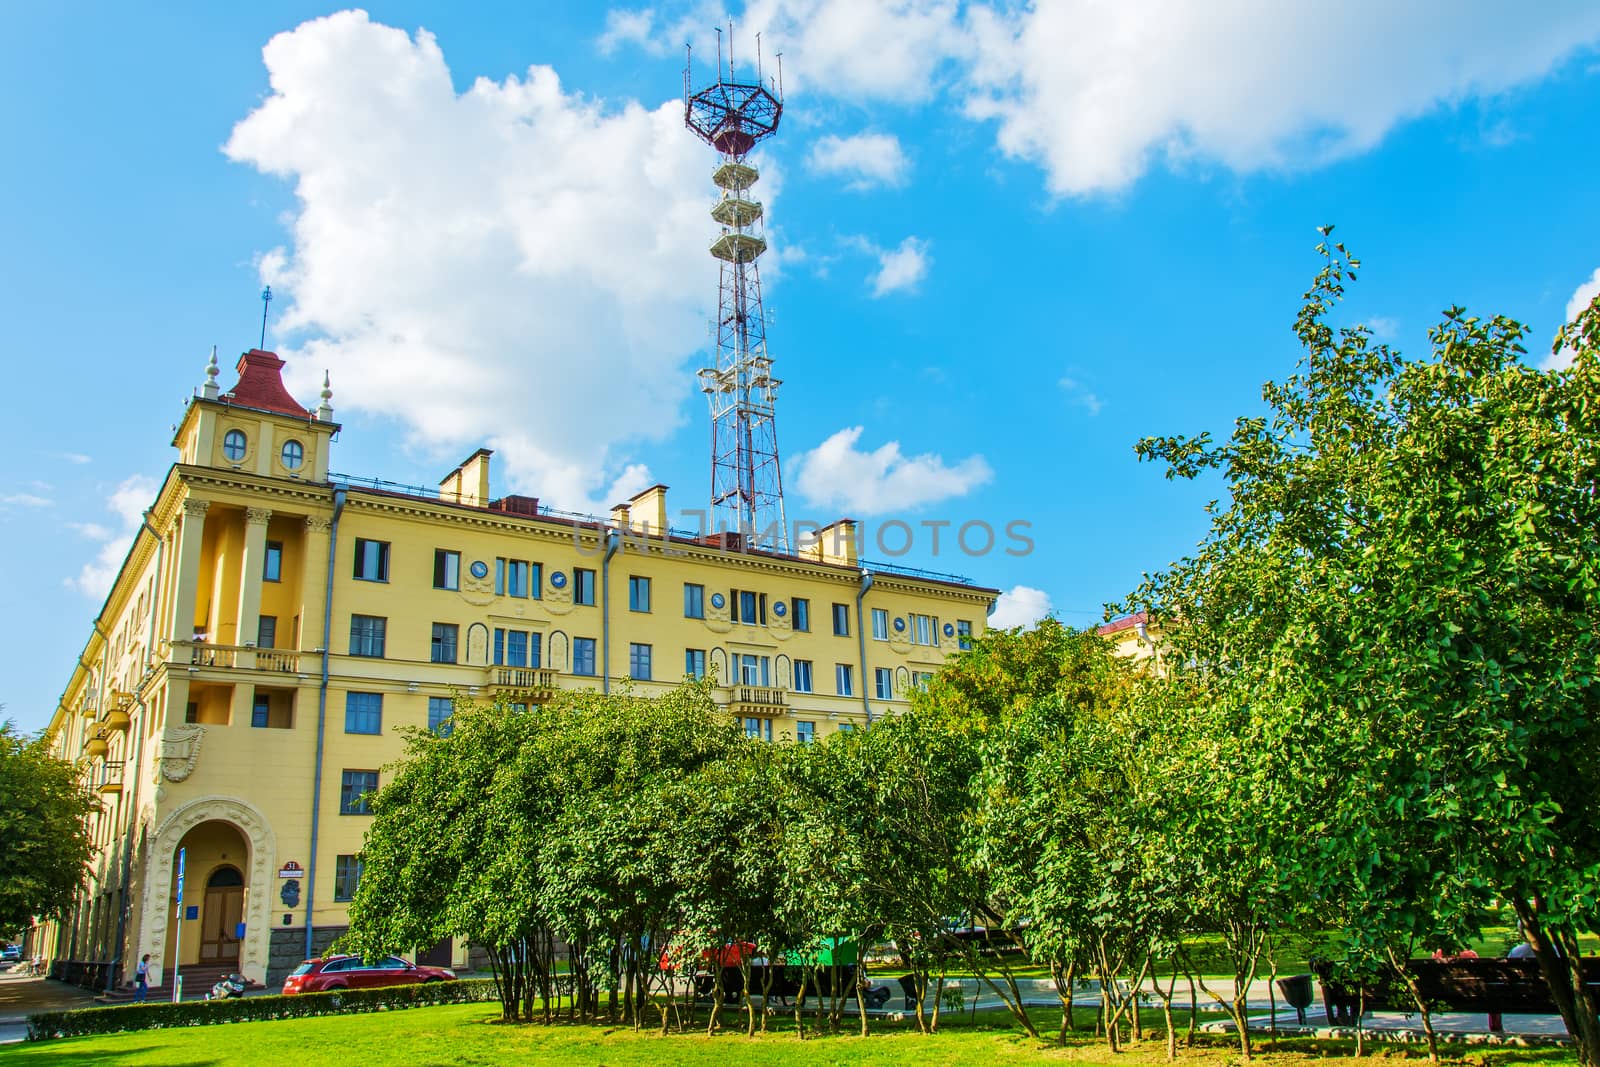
point(350, 972)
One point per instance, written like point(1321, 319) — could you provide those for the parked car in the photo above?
point(351, 972)
point(10, 953)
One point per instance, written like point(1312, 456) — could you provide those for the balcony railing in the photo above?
point(770, 700)
point(242, 657)
point(109, 778)
point(521, 678)
point(97, 742)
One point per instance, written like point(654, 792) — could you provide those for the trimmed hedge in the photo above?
point(153, 1015)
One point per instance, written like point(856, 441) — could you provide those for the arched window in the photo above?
point(233, 445)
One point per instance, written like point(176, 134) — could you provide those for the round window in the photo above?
point(233, 445)
point(294, 454)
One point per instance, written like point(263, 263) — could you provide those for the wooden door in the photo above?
point(220, 917)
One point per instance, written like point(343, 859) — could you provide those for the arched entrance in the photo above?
point(221, 915)
point(216, 833)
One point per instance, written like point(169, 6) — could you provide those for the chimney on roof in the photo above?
point(835, 543)
point(649, 509)
point(468, 483)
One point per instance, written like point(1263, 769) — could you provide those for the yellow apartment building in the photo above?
point(274, 625)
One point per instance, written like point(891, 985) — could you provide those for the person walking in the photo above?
point(141, 979)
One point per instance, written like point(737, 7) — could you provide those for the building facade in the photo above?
point(273, 625)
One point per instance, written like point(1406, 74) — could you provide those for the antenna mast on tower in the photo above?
point(746, 483)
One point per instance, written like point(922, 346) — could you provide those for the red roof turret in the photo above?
point(260, 385)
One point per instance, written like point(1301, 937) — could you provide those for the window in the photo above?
point(583, 654)
point(444, 642)
point(846, 727)
point(639, 662)
point(233, 445)
point(694, 601)
point(267, 632)
point(260, 712)
point(800, 614)
point(924, 630)
point(841, 620)
point(582, 587)
point(694, 662)
point(638, 593)
point(920, 679)
point(346, 877)
point(191, 712)
point(366, 635)
point(747, 607)
point(446, 569)
point(802, 676)
point(752, 670)
point(880, 624)
point(805, 732)
point(755, 728)
point(842, 680)
point(516, 648)
point(439, 711)
point(513, 577)
point(372, 560)
point(363, 713)
point(355, 792)
point(964, 634)
point(293, 454)
point(272, 562)
point(883, 683)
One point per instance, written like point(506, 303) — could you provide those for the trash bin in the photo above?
point(1296, 990)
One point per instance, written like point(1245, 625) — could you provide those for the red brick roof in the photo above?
point(260, 385)
point(1127, 622)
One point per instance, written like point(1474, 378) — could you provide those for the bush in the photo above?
point(45, 1025)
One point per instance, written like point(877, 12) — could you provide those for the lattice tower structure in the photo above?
point(746, 479)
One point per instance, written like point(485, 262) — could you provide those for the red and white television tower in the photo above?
point(733, 117)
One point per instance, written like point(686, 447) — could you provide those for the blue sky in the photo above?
point(1007, 242)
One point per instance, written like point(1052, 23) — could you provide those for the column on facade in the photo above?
point(250, 572)
point(188, 569)
point(313, 582)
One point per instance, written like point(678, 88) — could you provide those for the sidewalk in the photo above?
point(21, 997)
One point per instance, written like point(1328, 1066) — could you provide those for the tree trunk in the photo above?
point(862, 982)
point(1562, 967)
point(1416, 998)
point(1061, 977)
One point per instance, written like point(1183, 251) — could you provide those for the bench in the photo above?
point(1495, 987)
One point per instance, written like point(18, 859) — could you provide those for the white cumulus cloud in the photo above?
point(1581, 297)
point(126, 503)
point(1096, 93)
point(865, 159)
point(899, 268)
point(513, 265)
point(837, 474)
point(1022, 605)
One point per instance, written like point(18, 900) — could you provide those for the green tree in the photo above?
point(43, 808)
point(1398, 603)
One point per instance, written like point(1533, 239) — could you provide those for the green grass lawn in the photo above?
point(473, 1034)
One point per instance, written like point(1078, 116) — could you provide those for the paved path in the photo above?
point(20, 997)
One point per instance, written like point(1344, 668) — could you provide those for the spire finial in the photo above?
point(210, 389)
point(325, 409)
point(266, 302)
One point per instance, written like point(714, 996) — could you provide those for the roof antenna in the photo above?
point(266, 301)
point(719, 55)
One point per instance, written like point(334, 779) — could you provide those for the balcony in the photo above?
point(529, 685)
point(97, 743)
point(90, 705)
point(117, 710)
point(237, 657)
point(109, 777)
point(758, 700)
